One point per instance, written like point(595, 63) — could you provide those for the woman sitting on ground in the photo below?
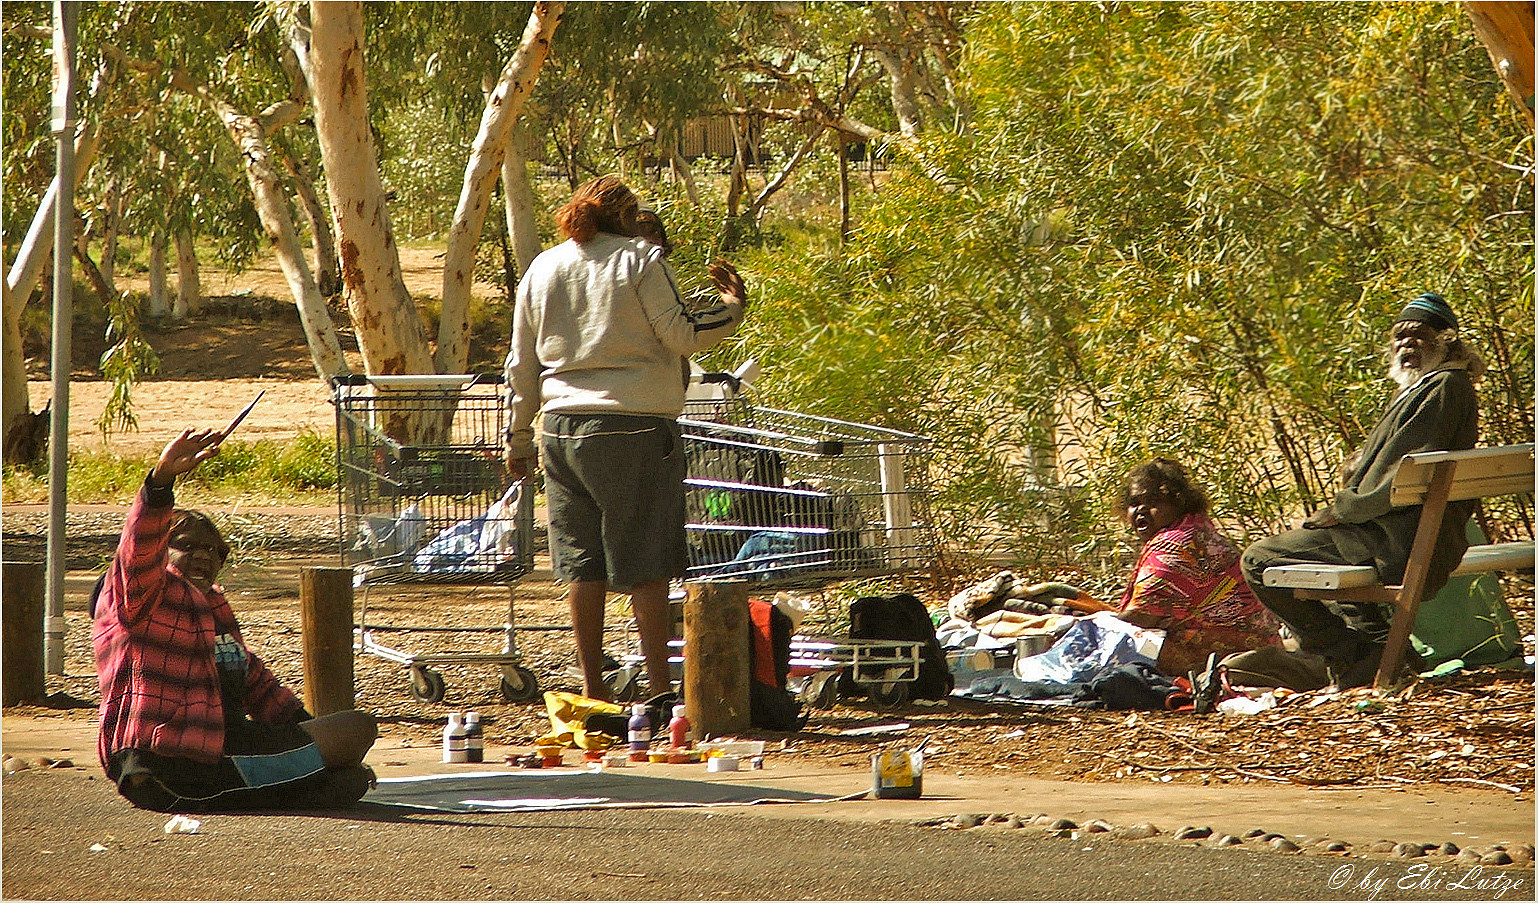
point(1187, 580)
point(191, 720)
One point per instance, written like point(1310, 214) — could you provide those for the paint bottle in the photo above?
point(455, 744)
point(678, 729)
point(475, 738)
point(640, 732)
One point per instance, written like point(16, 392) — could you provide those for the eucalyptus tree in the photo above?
point(1178, 229)
point(390, 330)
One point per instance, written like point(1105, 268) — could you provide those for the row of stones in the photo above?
point(1499, 854)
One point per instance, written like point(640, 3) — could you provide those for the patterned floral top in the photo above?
point(1187, 583)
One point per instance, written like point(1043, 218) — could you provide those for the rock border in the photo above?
point(1513, 853)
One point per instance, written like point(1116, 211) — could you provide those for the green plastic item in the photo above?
point(1468, 621)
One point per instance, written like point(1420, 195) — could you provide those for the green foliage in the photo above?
point(1177, 229)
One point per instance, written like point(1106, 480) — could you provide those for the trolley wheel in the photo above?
point(821, 689)
point(519, 684)
point(888, 694)
point(426, 684)
point(622, 684)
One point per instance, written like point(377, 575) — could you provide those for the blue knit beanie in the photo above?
point(1430, 308)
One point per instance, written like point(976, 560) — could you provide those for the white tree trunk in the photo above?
point(327, 274)
point(13, 381)
point(904, 92)
point(21, 277)
point(250, 136)
point(666, 144)
point(519, 205)
point(112, 223)
point(189, 286)
point(481, 173)
point(37, 247)
point(389, 328)
point(159, 304)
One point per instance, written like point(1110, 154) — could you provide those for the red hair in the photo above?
point(598, 205)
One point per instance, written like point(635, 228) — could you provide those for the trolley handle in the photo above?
point(730, 379)
point(419, 380)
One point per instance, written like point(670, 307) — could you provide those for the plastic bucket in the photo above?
point(897, 775)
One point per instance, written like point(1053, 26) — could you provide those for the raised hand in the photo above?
point(184, 453)
point(728, 282)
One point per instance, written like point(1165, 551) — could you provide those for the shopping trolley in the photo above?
point(424, 498)
point(785, 500)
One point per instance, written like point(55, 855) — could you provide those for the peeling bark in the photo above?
point(390, 332)
point(189, 285)
point(159, 304)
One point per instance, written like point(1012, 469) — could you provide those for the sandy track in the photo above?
point(166, 408)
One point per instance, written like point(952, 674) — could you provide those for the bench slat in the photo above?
point(1504, 556)
point(1481, 473)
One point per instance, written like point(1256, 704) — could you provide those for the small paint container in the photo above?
point(721, 763)
point(756, 763)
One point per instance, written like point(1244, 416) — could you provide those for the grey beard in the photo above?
point(1405, 377)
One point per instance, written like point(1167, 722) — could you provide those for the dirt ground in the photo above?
point(1472, 731)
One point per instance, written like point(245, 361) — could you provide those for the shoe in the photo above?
point(342, 787)
point(1205, 686)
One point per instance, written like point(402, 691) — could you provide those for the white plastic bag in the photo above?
point(483, 543)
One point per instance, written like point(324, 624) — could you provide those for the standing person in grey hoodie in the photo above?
point(600, 344)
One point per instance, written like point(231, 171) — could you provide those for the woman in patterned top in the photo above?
point(1187, 580)
point(191, 720)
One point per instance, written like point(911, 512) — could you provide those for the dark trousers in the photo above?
point(1319, 628)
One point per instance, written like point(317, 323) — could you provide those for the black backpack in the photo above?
point(901, 617)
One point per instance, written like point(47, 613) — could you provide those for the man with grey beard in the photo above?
point(1435, 410)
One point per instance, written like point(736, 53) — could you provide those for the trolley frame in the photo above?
point(435, 508)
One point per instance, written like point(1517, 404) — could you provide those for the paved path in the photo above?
point(868, 849)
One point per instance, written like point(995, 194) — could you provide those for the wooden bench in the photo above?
point(1431, 480)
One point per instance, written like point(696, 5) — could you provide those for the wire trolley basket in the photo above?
point(786, 500)
point(424, 498)
point(782, 499)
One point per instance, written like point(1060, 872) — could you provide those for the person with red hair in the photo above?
point(600, 347)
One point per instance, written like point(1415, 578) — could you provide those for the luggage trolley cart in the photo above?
point(786, 500)
point(424, 498)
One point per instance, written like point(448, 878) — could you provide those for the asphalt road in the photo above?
point(54, 819)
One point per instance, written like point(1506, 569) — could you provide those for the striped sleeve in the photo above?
point(681, 330)
point(138, 571)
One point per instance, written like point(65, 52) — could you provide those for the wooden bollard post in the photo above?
point(716, 662)
point(325, 620)
point(23, 631)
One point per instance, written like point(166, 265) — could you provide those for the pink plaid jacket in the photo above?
point(154, 640)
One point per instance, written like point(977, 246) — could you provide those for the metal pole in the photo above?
point(64, 18)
